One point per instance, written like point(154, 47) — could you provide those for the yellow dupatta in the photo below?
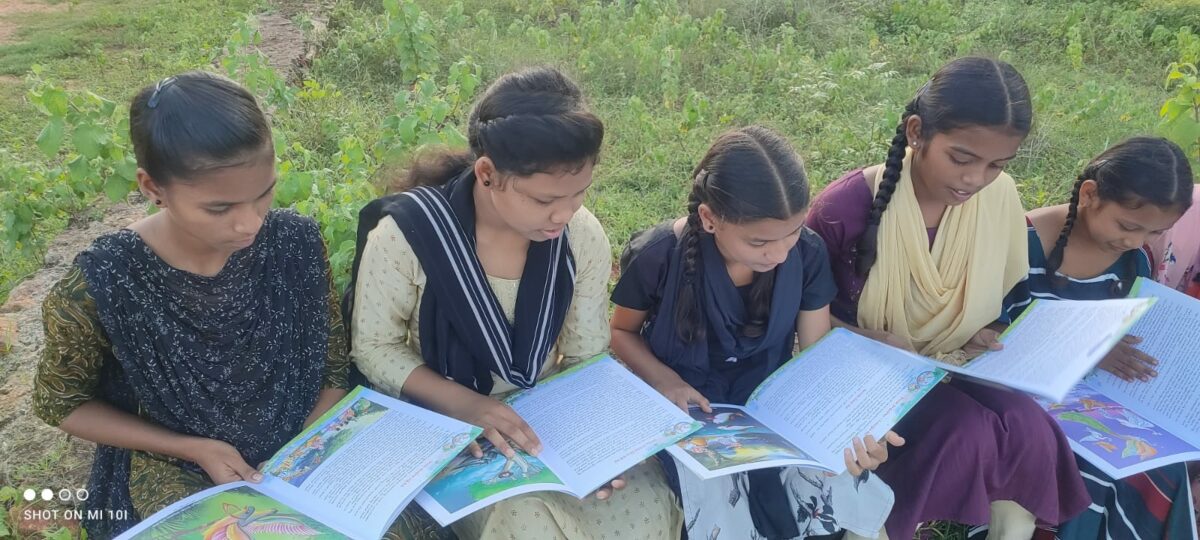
point(938, 298)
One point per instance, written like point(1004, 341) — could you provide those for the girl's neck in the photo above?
point(932, 209)
point(500, 248)
point(740, 274)
point(178, 248)
point(487, 218)
point(1084, 257)
point(1079, 237)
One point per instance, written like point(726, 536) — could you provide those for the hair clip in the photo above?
point(158, 88)
point(702, 178)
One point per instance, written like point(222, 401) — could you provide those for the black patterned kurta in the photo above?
point(255, 343)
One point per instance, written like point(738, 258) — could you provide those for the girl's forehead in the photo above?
point(1146, 215)
point(769, 228)
point(235, 184)
point(989, 143)
point(563, 183)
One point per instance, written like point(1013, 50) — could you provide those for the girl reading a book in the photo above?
point(709, 305)
point(1093, 248)
point(487, 274)
point(924, 248)
point(193, 344)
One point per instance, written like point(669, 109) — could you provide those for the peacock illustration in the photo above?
point(244, 523)
point(1134, 446)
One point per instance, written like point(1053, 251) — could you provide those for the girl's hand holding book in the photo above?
point(868, 454)
point(1129, 363)
point(882, 336)
point(673, 387)
point(500, 424)
point(605, 492)
point(222, 462)
point(986, 339)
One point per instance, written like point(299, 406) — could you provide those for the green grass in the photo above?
point(667, 76)
point(832, 76)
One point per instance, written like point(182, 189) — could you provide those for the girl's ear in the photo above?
point(486, 174)
point(151, 189)
point(1089, 194)
point(912, 131)
point(708, 219)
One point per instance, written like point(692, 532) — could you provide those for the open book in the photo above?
point(595, 421)
point(846, 385)
point(1054, 344)
point(349, 474)
point(810, 409)
point(1125, 428)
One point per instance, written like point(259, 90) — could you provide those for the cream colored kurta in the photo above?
point(387, 304)
point(387, 347)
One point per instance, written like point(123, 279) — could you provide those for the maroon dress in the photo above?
point(967, 444)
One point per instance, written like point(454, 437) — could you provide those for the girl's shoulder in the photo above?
point(1047, 222)
point(849, 194)
point(286, 223)
point(839, 213)
point(586, 232)
point(70, 297)
point(651, 245)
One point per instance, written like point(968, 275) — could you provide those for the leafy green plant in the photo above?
point(410, 33)
point(8, 496)
point(242, 61)
point(1180, 114)
point(85, 140)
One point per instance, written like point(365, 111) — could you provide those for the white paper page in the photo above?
point(1054, 344)
point(1169, 333)
point(369, 456)
point(842, 387)
point(1113, 437)
point(731, 441)
point(600, 420)
point(246, 507)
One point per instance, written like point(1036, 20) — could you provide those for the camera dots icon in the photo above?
point(64, 495)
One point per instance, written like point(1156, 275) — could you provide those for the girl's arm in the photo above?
point(500, 422)
point(327, 399)
point(877, 335)
point(69, 372)
point(101, 423)
point(386, 299)
point(584, 331)
point(629, 346)
point(813, 325)
point(336, 373)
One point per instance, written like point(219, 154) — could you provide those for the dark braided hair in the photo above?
point(1133, 173)
point(527, 122)
point(748, 174)
point(967, 92)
